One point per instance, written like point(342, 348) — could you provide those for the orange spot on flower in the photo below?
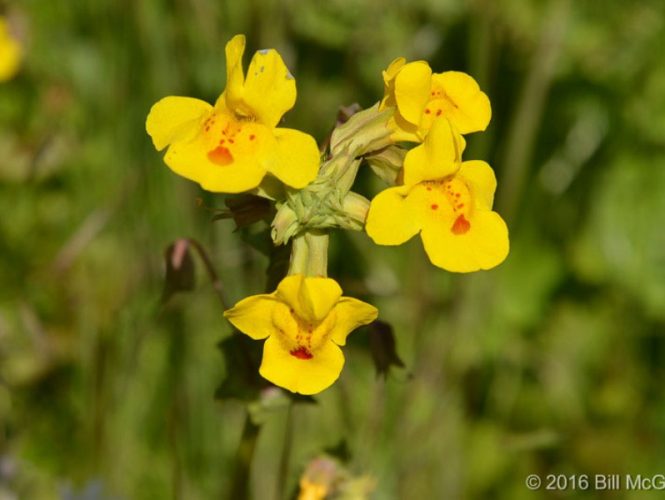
point(220, 155)
point(438, 113)
point(301, 353)
point(252, 137)
point(461, 225)
point(427, 111)
point(435, 206)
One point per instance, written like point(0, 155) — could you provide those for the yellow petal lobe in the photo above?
point(462, 101)
point(412, 90)
point(481, 180)
point(306, 374)
point(312, 298)
point(478, 241)
point(235, 77)
point(437, 157)
point(175, 118)
point(351, 313)
point(391, 219)
point(296, 160)
point(270, 89)
point(253, 315)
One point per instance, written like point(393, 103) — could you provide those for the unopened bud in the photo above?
point(364, 132)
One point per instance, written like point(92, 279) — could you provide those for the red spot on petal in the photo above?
point(427, 111)
point(220, 155)
point(435, 206)
point(252, 137)
point(438, 113)
point(461, 225)
point(461, 205)
point(301, 353)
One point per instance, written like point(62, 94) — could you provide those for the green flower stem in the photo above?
point(309, 254)
point(285, 458)
point(243, 461)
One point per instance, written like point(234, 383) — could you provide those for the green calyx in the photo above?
point(319, 206)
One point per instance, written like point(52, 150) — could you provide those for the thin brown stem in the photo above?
point(214, 278)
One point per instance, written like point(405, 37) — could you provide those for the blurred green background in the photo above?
point(552, 363)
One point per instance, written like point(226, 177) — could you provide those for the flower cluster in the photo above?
point(447, 201)
point(236, 146)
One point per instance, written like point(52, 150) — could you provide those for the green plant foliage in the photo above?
point(551, 363)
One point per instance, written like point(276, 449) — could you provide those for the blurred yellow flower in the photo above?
point(231, 146)
point(10, 52)
point(304, 322)
point(325, 477)
point(420, 97)
point(310, 490)
point(448, 202)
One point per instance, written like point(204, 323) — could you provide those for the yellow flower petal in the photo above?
point(393, 69)
point(270, 89)
point(301, 375)
point(482, 242)
point(351, 313)
point(312, 298)
point(192, 160)
point(235, 77)
point(403, 131)
point(439, 156)
point(412, 90)
point(391, 219)
point(469, 107)
point(10, 53)
point(389, 75)
point(481, 180)
point(175, 119)
point(253, 315)
point(296, 161)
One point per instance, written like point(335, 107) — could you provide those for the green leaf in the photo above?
point(383, 347)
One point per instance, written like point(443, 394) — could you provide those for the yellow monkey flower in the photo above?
point(304, 322)
point(448, 202)
point(420, 97)
point(231, 146)
point(10, 52)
